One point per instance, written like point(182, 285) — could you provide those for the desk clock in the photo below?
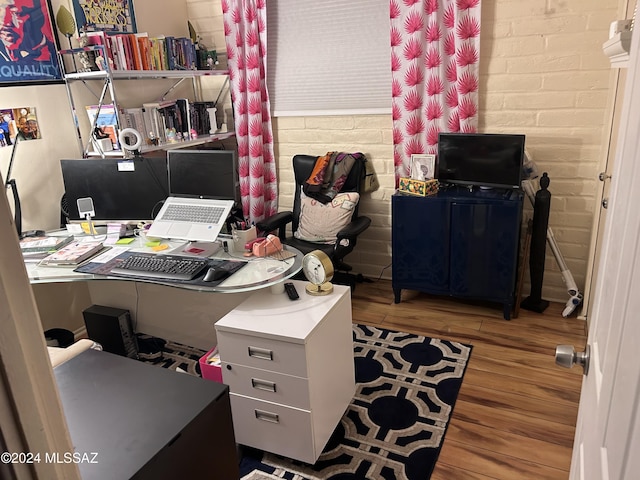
point(318, 269)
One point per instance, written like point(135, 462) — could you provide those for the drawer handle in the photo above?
point(261, 353)
point(267, 416)
point(263, 385)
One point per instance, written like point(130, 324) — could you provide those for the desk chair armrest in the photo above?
point(346, 241)
point(278, 221)
point(353, 229)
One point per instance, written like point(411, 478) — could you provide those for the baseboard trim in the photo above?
point(80, 333)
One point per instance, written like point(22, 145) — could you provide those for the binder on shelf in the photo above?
point(184, 110)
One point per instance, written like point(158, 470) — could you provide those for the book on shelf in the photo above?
point(144, 47)
point(99, 38)
point(139, 51)
point(46, 243)
point(134, 118)
point(74, 253)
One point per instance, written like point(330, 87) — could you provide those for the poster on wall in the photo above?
point(28, 45)
point(107, 15)
point(21, 120)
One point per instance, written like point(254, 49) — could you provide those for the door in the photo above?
point(626, 9)
point(608, 432)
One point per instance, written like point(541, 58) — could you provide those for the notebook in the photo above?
point(191, 219)
point(74, 253)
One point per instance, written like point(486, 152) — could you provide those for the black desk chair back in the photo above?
point(346, 237)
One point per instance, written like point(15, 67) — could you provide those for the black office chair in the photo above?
point(64, 211)
point(346, 237)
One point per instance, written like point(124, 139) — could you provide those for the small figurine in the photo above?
point(100, 63)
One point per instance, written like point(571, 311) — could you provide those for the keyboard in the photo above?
point(168, 267)
point(193, 213)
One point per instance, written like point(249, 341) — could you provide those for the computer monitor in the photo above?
point(128, 191)
point(204, 174)
point(481, 159)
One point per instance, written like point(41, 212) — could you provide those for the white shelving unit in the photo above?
point(107, 79)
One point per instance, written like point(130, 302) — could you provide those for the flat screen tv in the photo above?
point(482, 159)
point(204, 174)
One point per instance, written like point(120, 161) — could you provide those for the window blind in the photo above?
point(328, 57)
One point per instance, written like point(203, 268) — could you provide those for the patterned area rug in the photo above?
point(407, 386)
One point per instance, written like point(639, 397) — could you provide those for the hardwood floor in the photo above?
point(516, 412)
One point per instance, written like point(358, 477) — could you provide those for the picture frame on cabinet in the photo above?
point(423, 166)
point(29, 48)
point(91, 16)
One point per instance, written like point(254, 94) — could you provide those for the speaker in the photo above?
point(111, 328)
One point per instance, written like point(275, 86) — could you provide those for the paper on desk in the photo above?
point(110, 254)
point(198, 249)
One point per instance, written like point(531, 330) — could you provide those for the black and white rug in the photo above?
point(407, 386)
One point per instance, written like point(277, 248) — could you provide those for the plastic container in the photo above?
point(59, 337)
point(210, 366)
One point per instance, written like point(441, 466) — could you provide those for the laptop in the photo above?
point(191, 219)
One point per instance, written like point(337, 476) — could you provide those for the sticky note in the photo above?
point(125, 241)
point(153, 244)
point(157, 248)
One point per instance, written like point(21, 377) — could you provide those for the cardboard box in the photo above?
point(422, 188)
point(210, 365)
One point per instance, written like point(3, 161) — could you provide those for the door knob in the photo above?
point(566, 356)
point(603, 176)
point(605, 203)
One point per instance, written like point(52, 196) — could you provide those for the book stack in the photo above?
point(171, 120)
point(37, 248)
point(44, 243)
point(74, 253)
point(138, 51)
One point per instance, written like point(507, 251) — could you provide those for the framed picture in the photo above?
point(423, 166)
point(93, 16)
point(28, 44)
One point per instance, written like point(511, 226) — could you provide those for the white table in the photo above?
point(177, 312)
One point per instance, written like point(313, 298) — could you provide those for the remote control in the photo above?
point(292, 293)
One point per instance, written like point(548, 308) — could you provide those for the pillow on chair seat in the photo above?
point(319, 222)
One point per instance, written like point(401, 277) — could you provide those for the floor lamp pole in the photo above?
point(11, 183)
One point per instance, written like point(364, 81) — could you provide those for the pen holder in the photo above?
point(241, 237)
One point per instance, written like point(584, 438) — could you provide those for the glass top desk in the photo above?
point(178, 312)
point(257, 273)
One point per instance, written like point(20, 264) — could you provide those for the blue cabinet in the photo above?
point(460, 242)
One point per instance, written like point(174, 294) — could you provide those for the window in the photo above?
point(328, 57)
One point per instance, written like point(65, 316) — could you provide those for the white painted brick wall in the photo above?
point(543, 74)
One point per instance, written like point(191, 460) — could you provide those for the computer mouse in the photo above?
point(214, 274)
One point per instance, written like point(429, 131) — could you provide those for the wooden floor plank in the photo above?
point(495, 465)
point(488, 395)
point(516, 412)
point(510, 444)
point(514, 422)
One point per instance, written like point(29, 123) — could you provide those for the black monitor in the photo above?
point(204, 174)
point(122, 190)
point(483, 159)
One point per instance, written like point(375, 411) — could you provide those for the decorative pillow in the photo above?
point(319, 222)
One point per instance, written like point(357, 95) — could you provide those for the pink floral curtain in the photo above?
point(435, 51)
point(246, 37)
